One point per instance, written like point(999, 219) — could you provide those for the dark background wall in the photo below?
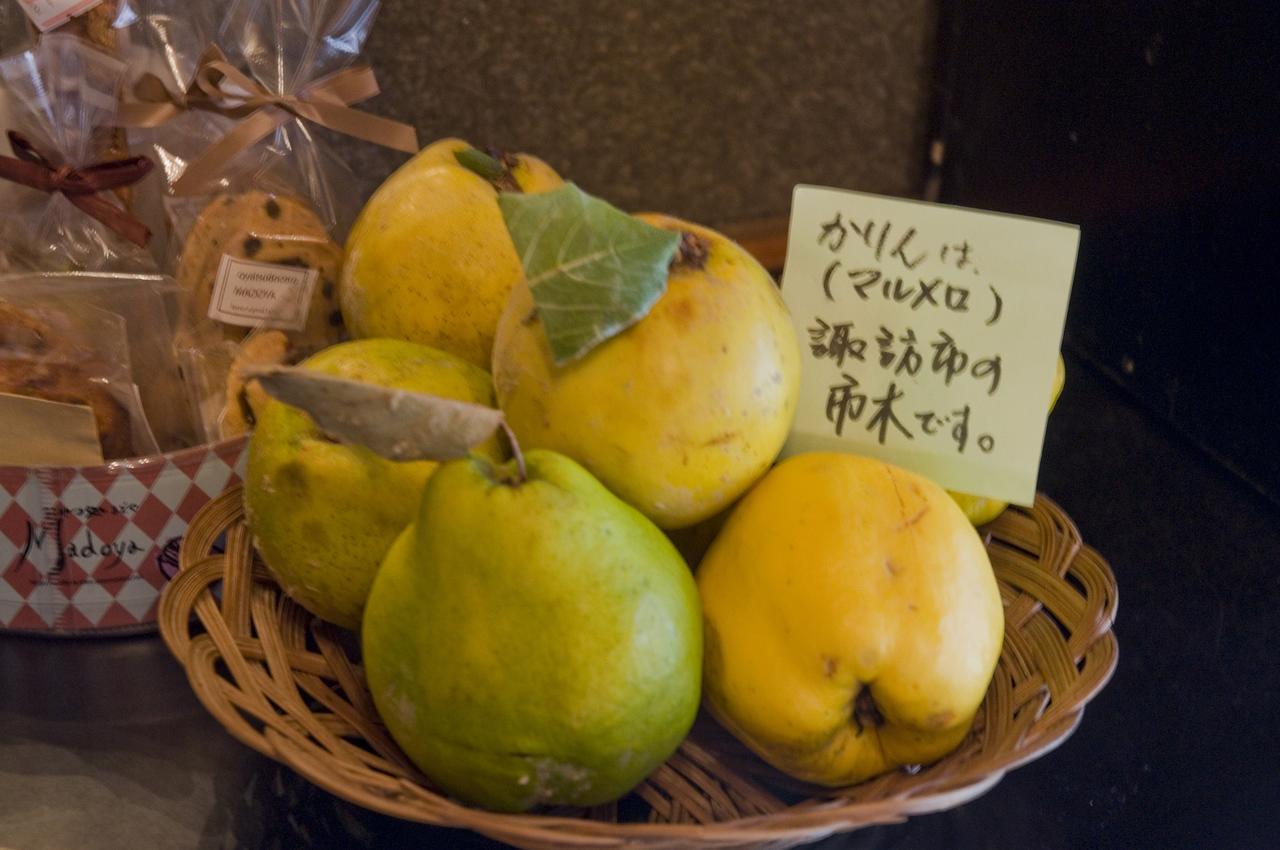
point(1154, 126)
point(712, 111)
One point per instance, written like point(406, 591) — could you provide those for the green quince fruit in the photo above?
point(531, 639)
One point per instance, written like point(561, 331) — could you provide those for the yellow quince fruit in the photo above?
point(681, 412)
point(429, 259)
point(531, 639)
point(322, 513)
point(852, 620)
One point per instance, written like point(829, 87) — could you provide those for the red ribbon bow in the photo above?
point(80, 186)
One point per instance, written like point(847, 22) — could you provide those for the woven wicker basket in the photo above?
point(285, 684)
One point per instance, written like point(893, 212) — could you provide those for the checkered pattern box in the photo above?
point(88, 549)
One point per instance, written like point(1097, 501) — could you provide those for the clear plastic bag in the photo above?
point(253, 262)
point(284, 46)
point(68, 351)
point(165, 38)
point(226, 405)
point(152, 391)
point(283, 202)
point(61, 93)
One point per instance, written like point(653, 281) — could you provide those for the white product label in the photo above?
point(47, 14)
point(254, 295)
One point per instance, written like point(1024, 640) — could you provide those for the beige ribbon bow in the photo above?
point(220, 87)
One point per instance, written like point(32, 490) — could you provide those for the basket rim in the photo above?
point(745, 828)
point(809, 820)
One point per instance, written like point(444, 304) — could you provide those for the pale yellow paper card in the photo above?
point(36, 432)
point(929, 335)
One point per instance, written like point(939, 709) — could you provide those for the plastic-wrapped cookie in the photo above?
point(69, 384)
point(97, 25)
point(264, 228)
point(324, 320)
point(245, 400)
point(37, 361)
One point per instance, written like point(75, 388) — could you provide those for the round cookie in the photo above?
point(264, 348)
point(324, 320)
point(241, 225)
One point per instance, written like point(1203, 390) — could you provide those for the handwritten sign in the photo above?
point(930, 335)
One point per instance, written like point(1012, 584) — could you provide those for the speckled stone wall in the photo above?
point(712, 111)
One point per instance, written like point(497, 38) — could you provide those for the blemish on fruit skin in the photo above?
point(683, 312)
point(942, 719)
point(554, 776)
point(912, 520)
point(829, 666)
point(292, 476)
point(891, 567)
point(400, 702)
point(721, 439)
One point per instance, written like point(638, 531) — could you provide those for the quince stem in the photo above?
point(495, 168)
point(692, 251)
point(521, 472)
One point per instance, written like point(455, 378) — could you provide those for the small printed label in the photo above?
point(254, 295)
point(47, 14)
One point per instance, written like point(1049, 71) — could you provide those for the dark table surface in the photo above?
point(102, 745)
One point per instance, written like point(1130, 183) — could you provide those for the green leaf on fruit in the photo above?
point(593, 270)
point(396, 424)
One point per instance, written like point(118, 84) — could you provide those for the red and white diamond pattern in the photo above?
point(80, 548)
